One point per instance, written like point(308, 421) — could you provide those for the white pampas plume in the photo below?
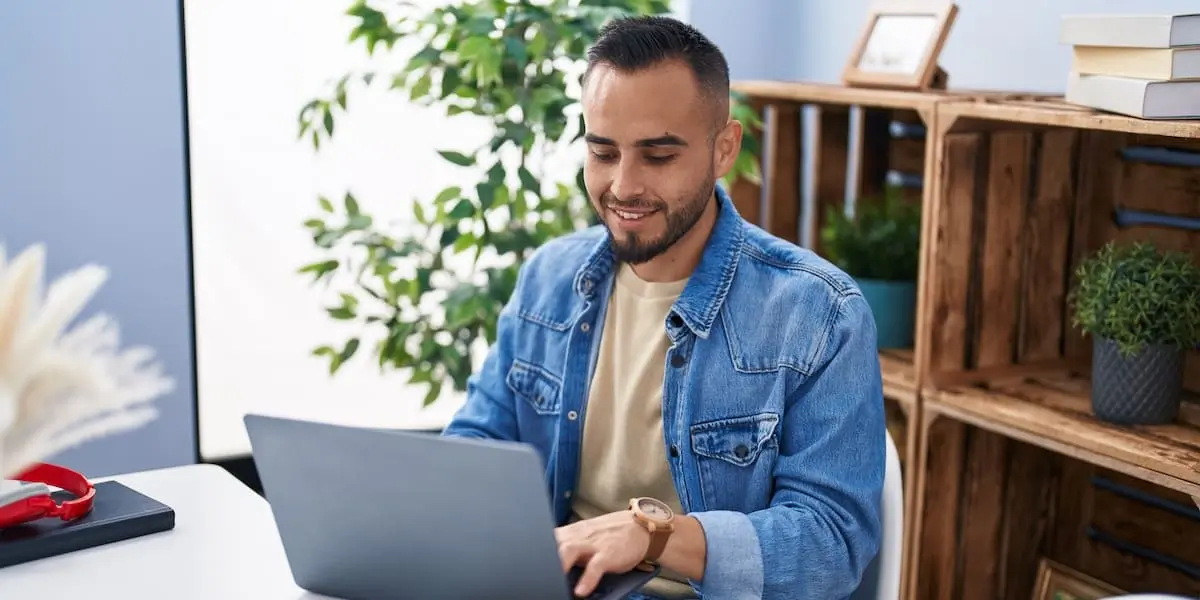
point(62, 387)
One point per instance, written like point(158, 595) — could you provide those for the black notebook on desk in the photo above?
point(118, 513)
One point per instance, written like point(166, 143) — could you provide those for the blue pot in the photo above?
point(894, 304)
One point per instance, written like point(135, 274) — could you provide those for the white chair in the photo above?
point(881, 581)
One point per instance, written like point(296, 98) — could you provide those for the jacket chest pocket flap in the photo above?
point(738, 441)
point(736, 460)
point(536, 386)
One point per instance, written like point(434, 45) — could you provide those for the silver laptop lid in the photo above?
point(368, 513)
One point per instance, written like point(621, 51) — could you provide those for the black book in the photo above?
point(118, 513)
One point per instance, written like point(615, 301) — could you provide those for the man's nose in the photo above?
point(629, 182)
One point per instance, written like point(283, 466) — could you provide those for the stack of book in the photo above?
point(1145, 66)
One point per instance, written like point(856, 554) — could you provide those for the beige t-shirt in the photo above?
point(624, 454)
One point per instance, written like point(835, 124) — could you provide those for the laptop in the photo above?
point(374, 514)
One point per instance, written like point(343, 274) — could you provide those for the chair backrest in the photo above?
point(881, 581)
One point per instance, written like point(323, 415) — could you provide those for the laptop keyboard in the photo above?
point(602, 589)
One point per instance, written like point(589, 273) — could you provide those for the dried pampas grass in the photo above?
point(62, 387)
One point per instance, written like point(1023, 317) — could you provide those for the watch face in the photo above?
point(654, 509)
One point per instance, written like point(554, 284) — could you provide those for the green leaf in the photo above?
point(486, 192)
point(349, 349)
point(464, 241)
point(448, 194)
point(528, 181)
point(435, 390)
point(326, 205)
point(462, 210)
point(419, 213)
point(320, 268)
point(359, 222)
point(351, 204)
point(328, 122)
point(457, 158)
point(421, 88)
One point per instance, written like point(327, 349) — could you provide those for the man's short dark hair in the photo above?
point(635, 43)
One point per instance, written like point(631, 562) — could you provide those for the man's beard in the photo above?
point(636, 249)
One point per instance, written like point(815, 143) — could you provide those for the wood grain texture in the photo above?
point(936, 559)
point(1000, 262)
point(983, 499)
point(832, 139)
point(1046, 257)
point(782, 178)
point(950, 272)
point(1055, 413)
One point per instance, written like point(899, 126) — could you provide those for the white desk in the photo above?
point(224, 545)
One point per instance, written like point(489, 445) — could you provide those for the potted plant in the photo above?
point(1142, 308)
point(879, 246)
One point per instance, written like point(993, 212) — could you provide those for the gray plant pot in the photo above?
point(1144, 389)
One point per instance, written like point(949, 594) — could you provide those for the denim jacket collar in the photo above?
point(709, 284)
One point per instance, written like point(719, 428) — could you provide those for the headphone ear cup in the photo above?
point(10, 494)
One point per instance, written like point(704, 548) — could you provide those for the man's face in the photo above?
point(652, 156)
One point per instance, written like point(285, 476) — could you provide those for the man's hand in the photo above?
point(612, 543)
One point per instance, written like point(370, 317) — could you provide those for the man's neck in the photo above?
point(681, 258)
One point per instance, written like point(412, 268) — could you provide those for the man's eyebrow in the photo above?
point(663, 140)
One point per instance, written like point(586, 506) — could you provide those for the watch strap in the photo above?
point(658, 543)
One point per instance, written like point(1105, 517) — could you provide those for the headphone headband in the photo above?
point(39, 505)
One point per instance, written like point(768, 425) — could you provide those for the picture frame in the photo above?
point(1056, 581)
point(900, 44)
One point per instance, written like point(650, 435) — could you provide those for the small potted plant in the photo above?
point(879, 246)
point(1142, 308)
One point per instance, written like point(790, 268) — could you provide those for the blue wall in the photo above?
point(92, 164)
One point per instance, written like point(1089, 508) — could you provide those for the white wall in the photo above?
point(251, 66)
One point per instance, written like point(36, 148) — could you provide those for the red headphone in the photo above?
point(32, 502)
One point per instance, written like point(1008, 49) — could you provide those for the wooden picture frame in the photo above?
point(900, 45)
point(1059, 582)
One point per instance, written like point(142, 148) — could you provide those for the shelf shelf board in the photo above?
point(1056, 112)
point(821, 93)
point(1054, 412)
point(899, 377)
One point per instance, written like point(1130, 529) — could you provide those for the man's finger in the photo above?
point(595, 569)
point(572, 552)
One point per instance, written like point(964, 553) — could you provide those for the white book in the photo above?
point(1131, 31)
point(1141, 63)
point(1141, 98)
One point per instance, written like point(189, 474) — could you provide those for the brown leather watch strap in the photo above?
point(658, 543)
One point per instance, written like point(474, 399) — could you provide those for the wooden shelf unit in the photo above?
point(1008, 450)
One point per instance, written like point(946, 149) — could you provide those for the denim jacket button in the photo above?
point(741, 451)
point(678, 360)
point(585, 327)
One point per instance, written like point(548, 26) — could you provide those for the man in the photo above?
point(678, 353)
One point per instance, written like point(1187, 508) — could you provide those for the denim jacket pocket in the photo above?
point(540, 389)
point(735, 460)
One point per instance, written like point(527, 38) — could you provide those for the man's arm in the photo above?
point(823, 527)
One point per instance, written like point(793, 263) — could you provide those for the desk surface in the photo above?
point(224, 545)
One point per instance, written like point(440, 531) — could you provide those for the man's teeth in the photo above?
point(629, 215)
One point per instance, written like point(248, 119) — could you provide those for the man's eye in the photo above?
point(658, 160)
point(601, 156)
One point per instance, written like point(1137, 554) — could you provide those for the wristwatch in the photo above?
point(658, 519)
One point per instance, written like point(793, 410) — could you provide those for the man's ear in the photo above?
point(727, 147)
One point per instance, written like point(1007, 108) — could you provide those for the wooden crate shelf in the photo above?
point(1054, 412)
point(1025, 188)
point(899, 378)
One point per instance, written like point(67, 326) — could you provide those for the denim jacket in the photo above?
point(772, 402)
